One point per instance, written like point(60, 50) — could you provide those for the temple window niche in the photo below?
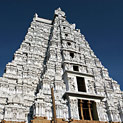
point(75, 68)
point(66, 35)
point(71, 54)
point(81, 84)
point(64, 27)
point(68, 43)
point(87, 110)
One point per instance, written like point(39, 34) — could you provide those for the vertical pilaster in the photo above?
point(89, 108)
point(81, 109)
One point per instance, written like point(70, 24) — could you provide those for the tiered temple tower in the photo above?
point(56, 56)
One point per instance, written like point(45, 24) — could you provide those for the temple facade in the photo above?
point(56, 77)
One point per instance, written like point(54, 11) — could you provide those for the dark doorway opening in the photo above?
point(81, 84)
point(83, 108)
point(94, 111)
point(86, 110)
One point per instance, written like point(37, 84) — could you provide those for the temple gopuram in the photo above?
point(55, 77)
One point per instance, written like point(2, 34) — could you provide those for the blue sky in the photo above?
point(101, 21)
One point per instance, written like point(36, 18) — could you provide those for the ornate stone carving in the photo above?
point(102, 110)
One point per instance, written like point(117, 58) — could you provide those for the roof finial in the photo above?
point(59, 9)
point(59, 12)
point(36, 15)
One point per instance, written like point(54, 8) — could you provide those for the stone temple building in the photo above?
point(56, 77)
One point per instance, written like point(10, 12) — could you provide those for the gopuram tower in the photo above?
point(55, 77)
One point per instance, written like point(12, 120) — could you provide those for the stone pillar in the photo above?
point(81, 109)
point(89, 108)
